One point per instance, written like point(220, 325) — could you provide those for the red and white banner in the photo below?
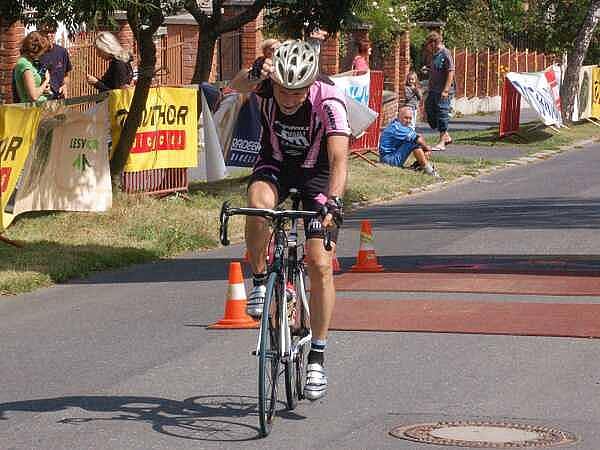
point(541, 91)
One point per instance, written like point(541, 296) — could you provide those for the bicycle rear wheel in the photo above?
point(268, 359)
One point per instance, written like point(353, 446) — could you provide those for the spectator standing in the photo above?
point(361, 61)
point(29, 83)
point(412, 95)
point(399, 140)
point(56, 61)
point(440, 88)
point(119, 73)
point(268, 47)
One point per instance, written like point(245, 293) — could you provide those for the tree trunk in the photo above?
point(570, 84)
point(207, 41)
point(146, 69)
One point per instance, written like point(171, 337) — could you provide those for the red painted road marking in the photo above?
point(525, 284)
point(444, 316)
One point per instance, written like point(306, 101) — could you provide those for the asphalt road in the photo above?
point(122, 360)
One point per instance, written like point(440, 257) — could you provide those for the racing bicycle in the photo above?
point(285, 335)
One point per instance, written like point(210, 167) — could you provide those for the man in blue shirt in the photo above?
point(56, 61)
point(398, 140)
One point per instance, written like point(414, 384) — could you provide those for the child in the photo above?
point(399, 140)
point(412, 95)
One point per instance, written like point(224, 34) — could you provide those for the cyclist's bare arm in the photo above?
point(242, 83)
point(337, 151)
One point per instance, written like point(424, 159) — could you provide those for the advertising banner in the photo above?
point(356, 87)
point(245, 143)
point(18, 126)
point(67, 168)
point(583, 102)
point(596, 93)
point(167, 136)
point(536, 90)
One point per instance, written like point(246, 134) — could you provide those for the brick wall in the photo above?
point(404, 61)
point(250, 41)
point(10, 42)
point(389, 111)
point(189, 35)
point(329, 60)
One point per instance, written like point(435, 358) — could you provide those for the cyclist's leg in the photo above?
point(322, 289)
point(262, 193)
point(322, 298)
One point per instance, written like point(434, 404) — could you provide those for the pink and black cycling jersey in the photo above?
point(300, 139)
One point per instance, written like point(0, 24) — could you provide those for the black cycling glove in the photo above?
point(335, 207)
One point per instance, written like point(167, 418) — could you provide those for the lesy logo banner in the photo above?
point(168, 134)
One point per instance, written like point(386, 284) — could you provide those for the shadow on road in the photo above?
point(215, 418)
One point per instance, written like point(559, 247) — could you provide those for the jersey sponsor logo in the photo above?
point(292, 138)
point(315, 226)
point(244, 145)
point(330, 116)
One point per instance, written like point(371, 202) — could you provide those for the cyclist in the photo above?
point(304, 145)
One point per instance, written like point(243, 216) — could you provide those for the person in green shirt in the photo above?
point(30, 85)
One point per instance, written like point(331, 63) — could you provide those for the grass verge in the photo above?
point(61, 246)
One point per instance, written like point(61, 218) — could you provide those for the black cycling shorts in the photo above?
point(312, 184)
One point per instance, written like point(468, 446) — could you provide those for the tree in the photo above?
point(299, 18)
point(575, 59)
point(214, 25)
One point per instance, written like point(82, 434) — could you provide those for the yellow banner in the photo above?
point(596, 93)
point(584, 94)
point(18, 127)
point(168, 134)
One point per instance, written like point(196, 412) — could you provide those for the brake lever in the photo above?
point(224, 222)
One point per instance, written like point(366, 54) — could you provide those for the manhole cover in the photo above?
point(484, 434)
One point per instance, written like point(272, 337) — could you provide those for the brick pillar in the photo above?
point(251, 39)
point(189, 35)
point(10, 42)
point(405, 63)
point(391, 69)
point(330, 56)
point(125, 36)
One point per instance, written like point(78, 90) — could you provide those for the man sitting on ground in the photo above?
point(399, 140)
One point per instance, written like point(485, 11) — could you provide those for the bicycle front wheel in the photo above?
point(301, 360)
point(268, 359)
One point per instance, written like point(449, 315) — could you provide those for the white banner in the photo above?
point(535, 88)
point(67, 168)
point(356, 87)
point(215, 164)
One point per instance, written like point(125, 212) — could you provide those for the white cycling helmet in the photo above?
point(296, 64)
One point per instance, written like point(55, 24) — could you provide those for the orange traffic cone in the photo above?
point(366, 261)
point(235, 304)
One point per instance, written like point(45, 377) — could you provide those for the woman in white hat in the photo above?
point(119, 73)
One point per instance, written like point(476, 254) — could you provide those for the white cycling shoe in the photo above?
point(316, 382)
point(256, 301)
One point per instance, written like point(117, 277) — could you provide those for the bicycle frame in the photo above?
point(285, 268)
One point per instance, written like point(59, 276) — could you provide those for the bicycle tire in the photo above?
point(301, 359)
point(291, 386)
point(268, 359)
